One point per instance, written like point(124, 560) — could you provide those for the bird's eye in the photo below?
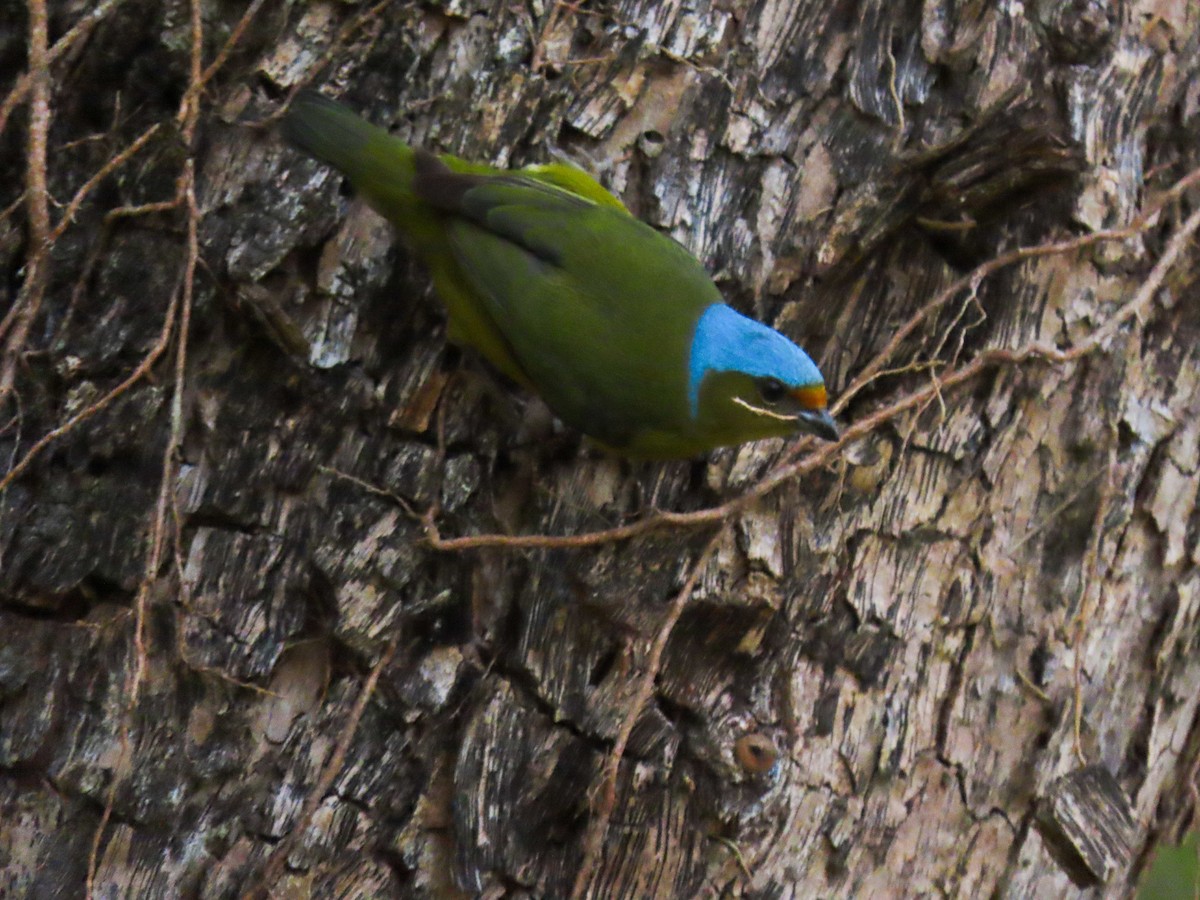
point(772, 389)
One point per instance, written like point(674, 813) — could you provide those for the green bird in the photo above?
point(548, 276)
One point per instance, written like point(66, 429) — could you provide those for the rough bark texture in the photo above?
point(960, 657)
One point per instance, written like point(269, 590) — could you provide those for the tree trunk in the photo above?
point(246, 647)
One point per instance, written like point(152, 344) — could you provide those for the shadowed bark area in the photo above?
point(294, 600)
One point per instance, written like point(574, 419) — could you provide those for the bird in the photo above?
point(550, 278)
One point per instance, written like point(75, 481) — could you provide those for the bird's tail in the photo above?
point(379, 165)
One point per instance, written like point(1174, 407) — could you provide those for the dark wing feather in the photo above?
point(597, 307)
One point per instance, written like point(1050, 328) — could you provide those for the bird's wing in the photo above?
point(597, 307)
point(600, 244)
point(563, 334)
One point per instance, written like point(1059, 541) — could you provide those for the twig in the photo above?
point(37, 204)
point(736, 852)
point(1143, 221)
point(103, 172)
point(73, 207)
point(329, 774)
point(78, 31)
point(814, 459)
point(606, 788)
point(147, 363)
point(188, 116)
point(894, 93)
point(12, 207)
point(373, 489)
point(137, 674)
point(167, 480)
point(987, 359)
point(189, 106)
point(142, 209)
point(536, 60)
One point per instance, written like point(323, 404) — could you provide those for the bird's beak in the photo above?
point(818, 422)
point(811, 414)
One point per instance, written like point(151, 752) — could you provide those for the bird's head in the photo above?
point(748, 381)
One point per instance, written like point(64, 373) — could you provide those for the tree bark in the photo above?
point(275, 616)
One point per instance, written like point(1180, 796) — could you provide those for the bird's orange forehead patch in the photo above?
point(811, 397)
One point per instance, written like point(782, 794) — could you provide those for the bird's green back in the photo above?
point(543, 264)
point(533, 266)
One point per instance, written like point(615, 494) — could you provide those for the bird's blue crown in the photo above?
point(727, 341)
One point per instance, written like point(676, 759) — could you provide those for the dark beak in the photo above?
point(818, 422)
